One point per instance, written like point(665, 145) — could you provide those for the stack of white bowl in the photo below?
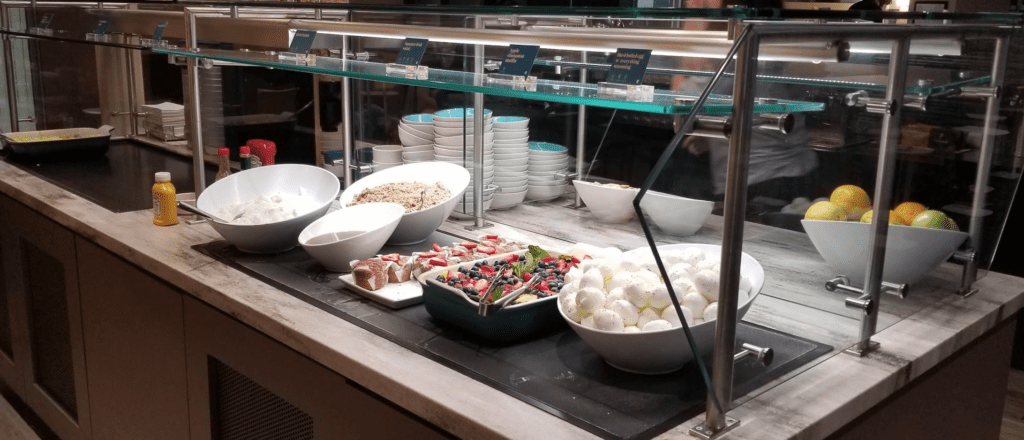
point(417, 135)
point(545, 162)
point(453, 143)
point(386, 156)
point(511, 160)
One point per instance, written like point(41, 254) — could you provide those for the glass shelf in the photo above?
point(67, 37)
point(664, 101)
point(856, 85)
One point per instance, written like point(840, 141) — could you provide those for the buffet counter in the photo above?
point(941, 368)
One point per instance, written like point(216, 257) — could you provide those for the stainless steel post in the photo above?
point(12, 91)
point(581, 134)
point(478, 132)
point(133, 110)
point(346, 110)
point(883, 188)
point(744, 94)
point(985, 161)
point(195, 133)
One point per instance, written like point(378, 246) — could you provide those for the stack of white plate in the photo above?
point(545, 161)
point(511, 160)
point(453, 143)
point(417, 135)
point(165, 121)
point(387, 156)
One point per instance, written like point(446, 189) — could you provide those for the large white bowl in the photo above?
point(352, 233)
point(511, 122)
point(609, 204)
point(910, 252)
point(461, 140)
point(416, 226)
point(457, 114)
point(505, 199)
point(410, 139)
point(667, 350)
point(545, 192)
point(676, 215)
point(244, 186)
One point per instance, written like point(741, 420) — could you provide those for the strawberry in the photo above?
point(436, 247)
point(458, 253)
point(517, 286)
point(548, 259)
point(512, 258)
point(492, 236)
point(561, 264)
point(439, 262)
point(543, 285)
point(481, 285)
point(527, 276)
point(550, 278)
point(489, 250)
point(575, 261)
point(468, 244)
point(390, 257)
point(487, 271)
point(427, 255)
point(506, 289)
point(460, 276)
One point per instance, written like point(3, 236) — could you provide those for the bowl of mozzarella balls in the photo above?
point(620, 306)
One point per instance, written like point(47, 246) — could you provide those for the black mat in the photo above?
point(557, 373)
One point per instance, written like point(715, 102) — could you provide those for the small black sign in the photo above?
point(629, 66)
point(302, 41)
point(412, 52)
point(159, 32)
point(518, 60)
point(45, 21)
point(101, 27)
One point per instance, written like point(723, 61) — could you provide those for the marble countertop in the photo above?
point(916, 333)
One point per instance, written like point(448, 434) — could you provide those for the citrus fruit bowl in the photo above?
point(910, 252)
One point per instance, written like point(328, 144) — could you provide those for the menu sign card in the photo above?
point(629, 66)
point(45, 21)
point(302, 42)
point(101, 27)
point(412, 51)
point(159, 32)
point(518, 60)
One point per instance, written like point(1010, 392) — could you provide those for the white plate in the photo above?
point(394, 295)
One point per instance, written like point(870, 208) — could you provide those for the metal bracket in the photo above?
point(855, 350)
point(565, 175)
point(704, 432)
point(475, 227)
point(980, 92)
point(763, 355)
point(966, 258)
point(860, 98)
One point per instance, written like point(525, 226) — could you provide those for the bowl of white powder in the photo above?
point(428, 190)
point(267, 207)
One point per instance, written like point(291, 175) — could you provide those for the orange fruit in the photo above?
point(852, 199)
point(907, 211)
point(866, 218)
point(825, 211)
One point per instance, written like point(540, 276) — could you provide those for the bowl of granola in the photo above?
point(427, 190)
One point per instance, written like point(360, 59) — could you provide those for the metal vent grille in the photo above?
point(241, 409)
point(5, 315)
point(50, 330)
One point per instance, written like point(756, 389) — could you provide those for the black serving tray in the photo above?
point(555, 371)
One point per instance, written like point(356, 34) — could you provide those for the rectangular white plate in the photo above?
point(394, 295)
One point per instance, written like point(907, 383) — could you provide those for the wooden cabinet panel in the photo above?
point(14, 348)
point(42, 277)
point(242, 384)
point(133, 328)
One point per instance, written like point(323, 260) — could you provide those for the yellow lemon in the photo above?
point(825, 211)
point(935, 220)
point(852, 199)
point(907, 211)
point(866, 218)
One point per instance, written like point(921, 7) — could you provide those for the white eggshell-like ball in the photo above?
point(656, 325)
point(682, 286)
point(620, 279)
point(659, 297)
point(709, 264)
point(742, 297)
point(636, 293)
point(615, 295)
point(588, 321)
point(581, 250)
point(611, 253)
point(693, 255)
point(631, 329)
point(590, 300)
point(572, 287)
point(566, 299)
point(746, 285)
point(693, 301)
point(706, 283)
point(670, 315)
point(574, 274)
point(608, 321)
point(626, 310)
point(647, 315)
point(588, 264)
point(607, 267)
point(711, 312)
point(592, 279)
point(673, 257)
point(650, 265)
point(650, 279)
point(573, 312)
point(698, 321)
point(682, 270)
point(627, 265)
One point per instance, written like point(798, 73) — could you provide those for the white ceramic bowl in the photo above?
point(505, 149)
point(457, 114)
point(534, 160)
point(514, 189)
point(244, 186)
point(419, 119)
point(427, 130)
point(510, 136)
point(416, 149)
point(609, 204)
point(545, 192)
point(416, 226)
point(504, 167)
point(511, 122)
point(514, 163)
point(417, 155)
point(461, 125)
point(451, 131)
point(352, 233)
point(460, 140)
point(545, 148)
point(547, 168)
point(676, 215)
point(510, 156)
point(667, 350)
point(910, 252)
point(381, 166)
point(410, 139)
point(387, 153)
point(507, 199)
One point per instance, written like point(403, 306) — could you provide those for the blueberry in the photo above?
point(501, 263)
point(555, 288)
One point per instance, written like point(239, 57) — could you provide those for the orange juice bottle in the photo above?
point(165, 207)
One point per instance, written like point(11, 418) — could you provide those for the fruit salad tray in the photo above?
point(75, 142)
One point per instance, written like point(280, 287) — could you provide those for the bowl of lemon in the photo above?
point(918, 240)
